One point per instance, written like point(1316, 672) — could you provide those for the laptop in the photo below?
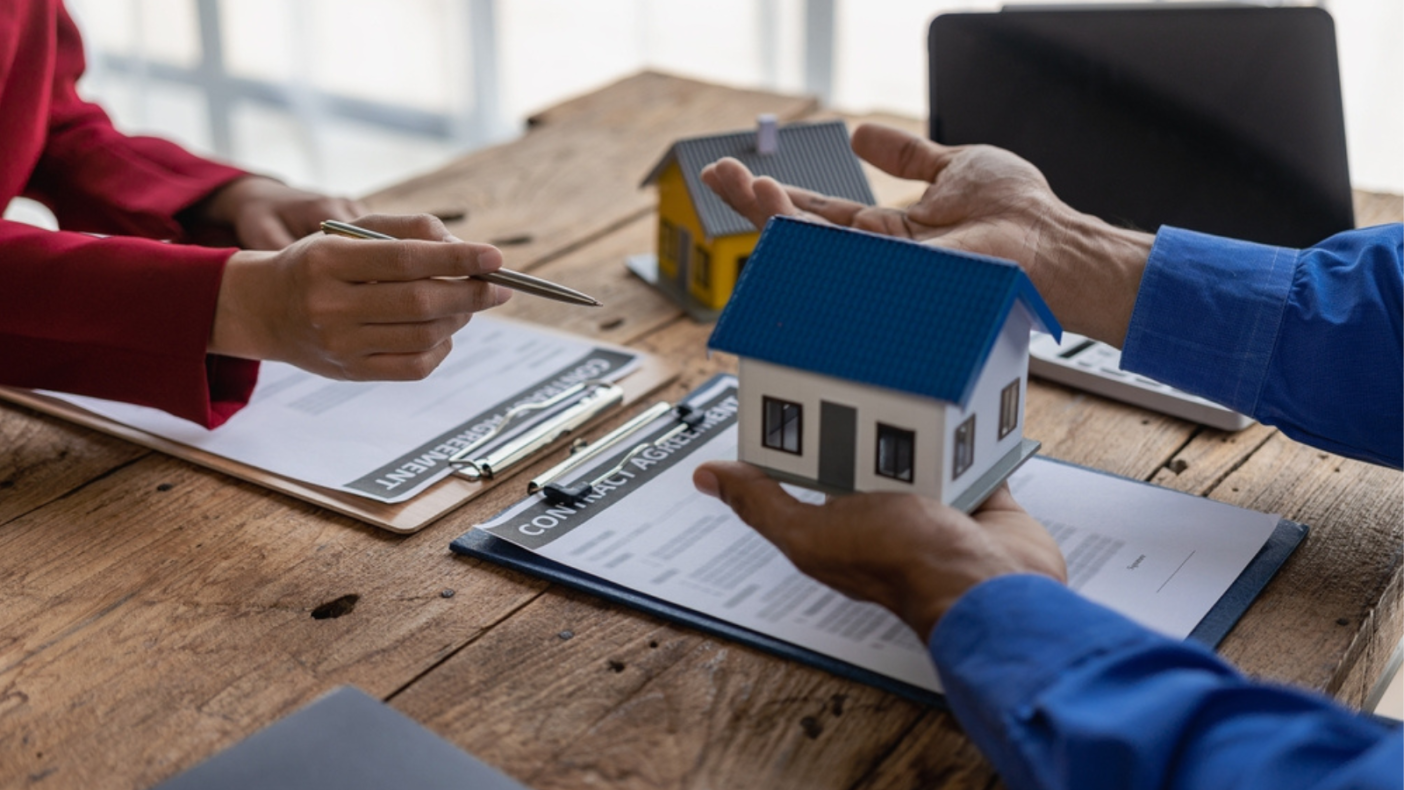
point(346, 740)
point(1219, 118)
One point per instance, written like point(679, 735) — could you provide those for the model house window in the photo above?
point(702, 270)
point(781, 422)
point(682, 241)
point(895, 449)
point(665, 239)
point(964, 451)
point(1009, 409)
point(741, 264)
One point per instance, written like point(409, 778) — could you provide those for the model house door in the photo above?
point(838, 444)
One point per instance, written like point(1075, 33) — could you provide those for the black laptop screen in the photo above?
point(1224, 120)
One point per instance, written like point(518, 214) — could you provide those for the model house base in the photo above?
point(645, 267)
point(971, 498)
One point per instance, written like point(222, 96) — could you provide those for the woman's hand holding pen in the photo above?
point(355, 309)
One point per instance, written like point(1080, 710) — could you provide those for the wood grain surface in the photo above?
point(153, 612)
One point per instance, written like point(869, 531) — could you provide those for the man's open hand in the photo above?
point(912, 555)
point(979, 199)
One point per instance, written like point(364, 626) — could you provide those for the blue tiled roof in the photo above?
point(815, 156)
point(873, 309)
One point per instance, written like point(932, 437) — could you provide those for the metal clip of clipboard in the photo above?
point(593, 397)
point(556, 493)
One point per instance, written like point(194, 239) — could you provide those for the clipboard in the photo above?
point(1210, 631)
point(409, 516)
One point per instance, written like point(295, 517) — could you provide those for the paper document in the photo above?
point(1161, 557)
point(388, 440)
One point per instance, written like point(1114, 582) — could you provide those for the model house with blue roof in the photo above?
point(870, 363)
point(703, 245)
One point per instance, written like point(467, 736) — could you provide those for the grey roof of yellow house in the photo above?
point(814, 156)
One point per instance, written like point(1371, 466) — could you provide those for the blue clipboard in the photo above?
point(1210, 631)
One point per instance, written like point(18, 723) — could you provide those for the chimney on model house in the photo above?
point(767, 135)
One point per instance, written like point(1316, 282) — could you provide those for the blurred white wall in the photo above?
point(491, 63)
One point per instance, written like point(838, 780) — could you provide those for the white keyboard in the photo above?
point(1096, 367)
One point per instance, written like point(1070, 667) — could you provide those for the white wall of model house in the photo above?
point(933, 421)
point(924, 416)
point(1008, 362)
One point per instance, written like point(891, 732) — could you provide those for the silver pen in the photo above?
point(503, 277)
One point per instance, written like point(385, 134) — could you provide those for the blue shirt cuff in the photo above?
point(1207, 315)
point(1061, 693)
point(1009, 639)
point(1025, 630)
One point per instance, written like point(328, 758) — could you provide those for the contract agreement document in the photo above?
point(1161, 557)
point(387, 441)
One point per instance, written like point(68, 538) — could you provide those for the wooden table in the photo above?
point(153, 612)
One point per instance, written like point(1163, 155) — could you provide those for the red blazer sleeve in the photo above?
point(99, 180)
point(118, 318)
point(121, 318)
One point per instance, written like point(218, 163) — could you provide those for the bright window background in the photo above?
point(524, 55)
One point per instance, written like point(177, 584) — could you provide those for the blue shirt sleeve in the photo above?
point(1306, 340)
point(1059, 693)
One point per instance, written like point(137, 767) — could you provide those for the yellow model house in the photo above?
point(702, 244)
